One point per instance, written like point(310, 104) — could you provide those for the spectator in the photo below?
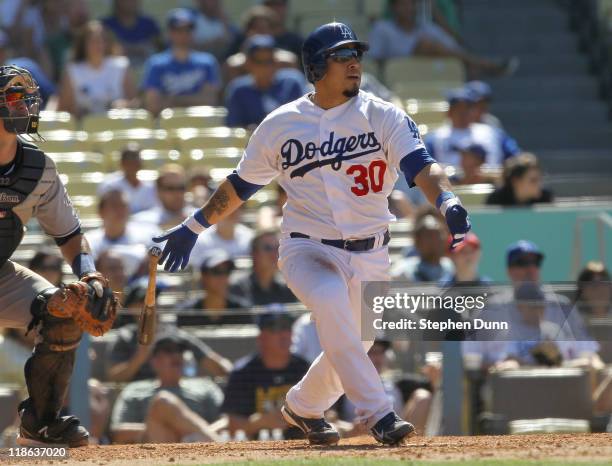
point(429, 264)
point(258, 384)
point(116, 229)
point(473, 157)
point(522, 184)
point(533, 339)
point(180, 76)
point(524, 260)
point(305, 340)
point(466, 257)
point(130, 361)
point(442, 142)
point(270, 216)
point(228, 234)
point(96, 80)
point(594, 290)
point(46, 86)
point(213, 30)
point(48, 264)
point(258, 20)
point(171, 207)
point(15, 349)
point(200, 184)
point(482, 95)
point(402, 36)
point(216, 299)
point(263, 284)
point(250, 98)
point(285, 39)
point(23, 23)
point(58, 38)
point(169, 409)
point(141, 194)
point(138, 34)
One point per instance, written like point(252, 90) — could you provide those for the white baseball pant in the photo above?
point(328, 282)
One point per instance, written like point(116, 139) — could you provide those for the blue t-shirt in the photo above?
point(143, 30)
point(247, 105)
point(172, 77)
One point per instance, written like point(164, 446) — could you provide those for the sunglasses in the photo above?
point(220, 272)
point(345, 55)
point(268, 247)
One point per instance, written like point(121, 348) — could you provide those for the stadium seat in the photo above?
point(423, 78)
point(50, 121)
point(430, 113)
point(541, 393)
point(192, 117)
point(187, 139)
point(235, 9)
point(77, 162)
point(79, 184)
point(226, 157)
point(86, 206)
point(309, 22)
point(63, 140)
point(118, 119)
point(109, 141)
point(374, 8)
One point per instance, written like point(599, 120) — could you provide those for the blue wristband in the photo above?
point(444, 196)
point(199, 216)
point(83, 264)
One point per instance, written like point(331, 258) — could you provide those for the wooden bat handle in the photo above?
point(147, 324)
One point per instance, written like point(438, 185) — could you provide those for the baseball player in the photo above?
point(337, 153)
point(30, 187)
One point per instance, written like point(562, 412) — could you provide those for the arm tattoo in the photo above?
point(217, 204)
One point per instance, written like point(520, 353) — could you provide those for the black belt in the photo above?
point(364, 244)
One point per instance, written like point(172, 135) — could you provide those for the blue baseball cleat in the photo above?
point(392, 430)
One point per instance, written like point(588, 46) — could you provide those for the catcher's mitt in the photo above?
point(89, 301)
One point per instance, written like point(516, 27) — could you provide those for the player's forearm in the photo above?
point(77, 253)
point(222, 203)
point(432, 181)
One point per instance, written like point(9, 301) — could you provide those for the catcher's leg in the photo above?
point(47, 374)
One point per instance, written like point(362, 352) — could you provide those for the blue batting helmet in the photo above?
point(321, 42)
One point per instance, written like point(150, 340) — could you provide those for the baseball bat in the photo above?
point(147, 322)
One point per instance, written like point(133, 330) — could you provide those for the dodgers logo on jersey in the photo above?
point(294, 152)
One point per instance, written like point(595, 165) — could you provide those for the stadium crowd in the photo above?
point(179, 388)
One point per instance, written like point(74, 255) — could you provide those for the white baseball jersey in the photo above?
point(338, 166)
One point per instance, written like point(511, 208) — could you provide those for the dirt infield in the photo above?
point(566, 447)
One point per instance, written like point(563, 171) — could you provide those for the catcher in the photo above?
point(30, 187)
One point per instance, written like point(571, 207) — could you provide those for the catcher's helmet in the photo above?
point(19, 100)
point(321, 42)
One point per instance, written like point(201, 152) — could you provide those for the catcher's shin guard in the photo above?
point(48, 370)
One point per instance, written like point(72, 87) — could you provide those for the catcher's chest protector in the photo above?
point(14, 189)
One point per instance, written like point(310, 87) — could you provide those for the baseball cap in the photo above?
point(459, 94)
point(257, 42)
point(469, 146)
point(470, 240)
point(428, 222)
point(480, 90)
point(275, 317)
point(521, 248)
point(216, 258)
point(180, 17)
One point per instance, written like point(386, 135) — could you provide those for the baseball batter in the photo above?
point(337, 153)
point(30, 187)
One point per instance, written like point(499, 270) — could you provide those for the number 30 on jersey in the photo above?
point(366, 178)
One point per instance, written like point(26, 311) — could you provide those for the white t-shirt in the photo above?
point(141, 198)
point(441, 143)
point(238, 246)
point(388, 40)
point(95, 89)
point(337, 166)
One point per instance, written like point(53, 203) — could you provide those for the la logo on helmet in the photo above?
point(346, 32)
